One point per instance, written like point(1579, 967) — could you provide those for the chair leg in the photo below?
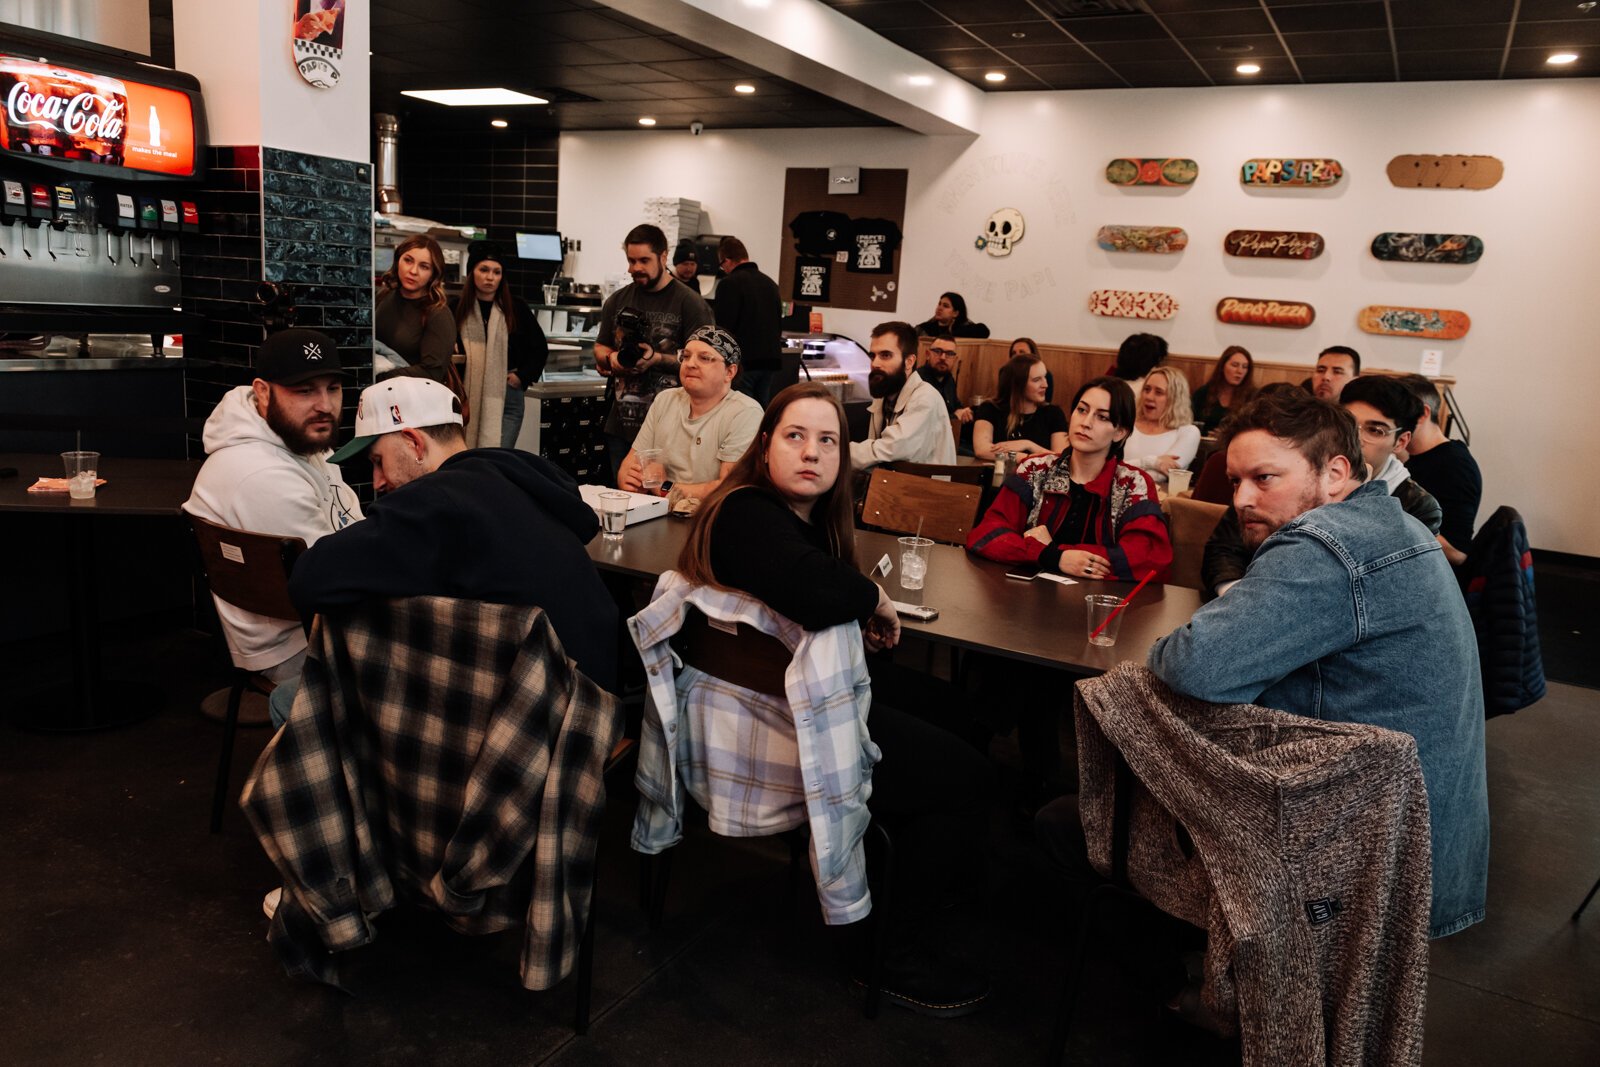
point(1586, 900)
point(219, 793)
point(881, 904)
point(1074, 979)
point(585, 976)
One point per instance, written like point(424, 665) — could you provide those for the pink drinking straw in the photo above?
point(1118, 609)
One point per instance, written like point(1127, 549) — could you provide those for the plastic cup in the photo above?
point(651, 468)
point(552, 294)
point(82, 469)
point(914, 561)
point(1178, 481)
point(613, 514)
point(1100, 606)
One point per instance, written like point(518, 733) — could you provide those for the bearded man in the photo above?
point(909, 422)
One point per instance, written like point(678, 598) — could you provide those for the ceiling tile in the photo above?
point(1272, 70)
point(1569, 33)
point(1427, 38)
point(928, 38)
point(1212, 47)
point(1030, 54)
point(1449, 64)
point(1450, 13)
point(1352, 67)
point(879, 16)
point(1531, 62)
point(584, 26)
point(1337, 44)
point(973, 12)
point(1218, 23)
point(1079, 76)
point(1146, 74)
point(1368, 15)
point(1115, 52)
point(647, 50)
point(1000, 32)
point(1114, 28)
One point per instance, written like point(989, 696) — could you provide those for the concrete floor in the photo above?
point(129, 935)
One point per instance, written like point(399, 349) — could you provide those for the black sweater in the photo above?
point(761, 547)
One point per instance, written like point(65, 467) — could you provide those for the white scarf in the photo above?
point(486, 375)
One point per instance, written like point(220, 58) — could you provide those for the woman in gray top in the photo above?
point(412, 317)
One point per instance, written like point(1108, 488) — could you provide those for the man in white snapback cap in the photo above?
point(411, 426)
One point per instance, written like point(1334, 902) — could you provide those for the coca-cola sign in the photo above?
point(55, 112)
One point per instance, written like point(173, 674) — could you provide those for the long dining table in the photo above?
point(980, 609)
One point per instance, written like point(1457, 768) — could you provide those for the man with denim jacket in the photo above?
point(1345, 598)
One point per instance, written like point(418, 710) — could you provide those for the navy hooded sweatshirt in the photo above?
point(491, 524)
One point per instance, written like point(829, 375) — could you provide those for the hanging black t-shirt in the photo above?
point(811, 277)
point(820, 233)
point(1046, 419)
point(872, 246)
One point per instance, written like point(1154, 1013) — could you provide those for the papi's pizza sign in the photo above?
point(318, 40)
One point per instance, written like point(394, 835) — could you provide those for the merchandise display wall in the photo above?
point(1525, 374)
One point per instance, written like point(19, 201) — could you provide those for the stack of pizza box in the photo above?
point(677, 216)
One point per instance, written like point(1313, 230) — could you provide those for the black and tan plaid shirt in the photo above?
point(444, 750)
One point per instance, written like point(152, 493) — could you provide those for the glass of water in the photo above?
point(914, 561)
point(614, 514)
point(651, 469)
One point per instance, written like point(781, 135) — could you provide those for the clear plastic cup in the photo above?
point(914, 561)
point(82, 470)
point(652, 470)
point(1178, 481)
point(613, 514)
point(1100, 607)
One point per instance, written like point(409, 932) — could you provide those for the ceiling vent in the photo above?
point(1067, 10)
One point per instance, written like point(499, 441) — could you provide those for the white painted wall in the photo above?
point(240, 51)
point(1526, 374)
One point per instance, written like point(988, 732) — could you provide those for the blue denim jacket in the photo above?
point(1350, 613)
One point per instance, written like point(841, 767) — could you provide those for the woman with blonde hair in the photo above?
point(412, 317)
point(1164, 436)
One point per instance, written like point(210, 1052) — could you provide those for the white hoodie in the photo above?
point(252, 481)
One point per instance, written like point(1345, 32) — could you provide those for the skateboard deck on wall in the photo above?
point(1438, 324)
point(1273, 244)
point(1427, 247)
point(1290, 173)
point(1152, 171)
point(1131, 304)
point(1286, 314)
point(1445, 172)
point(1160, 239)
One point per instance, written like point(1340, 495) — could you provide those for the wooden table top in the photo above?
point(133, 486)
point(1041, 621)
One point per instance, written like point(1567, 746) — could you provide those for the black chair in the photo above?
point(251, 572)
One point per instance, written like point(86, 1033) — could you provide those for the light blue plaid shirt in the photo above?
point(758, 765)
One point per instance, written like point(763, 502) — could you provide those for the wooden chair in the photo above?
point(251, 572)
point(1192, 522)
point(960, 473)
point(904, 503)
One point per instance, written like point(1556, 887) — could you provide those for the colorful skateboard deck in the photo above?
point(1286, 314)
point(1273, 244)
point(1130, 304)
point(1435, 323)
point(1290, 173)
point(1152, 171)
point(1445, 172)
point(1427, 247)
point(1160, 239)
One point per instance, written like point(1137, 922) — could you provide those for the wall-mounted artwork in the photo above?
point(1273, 244)
point(1290, 173)
point(1159, 239)
point(1285, 314)
point(1152, 171)
point(1132, 304)
point(831, 259)
point(1438, 324)
point(1002, 232)
point(1427, 247)
point(1445, 172)
point(318, 41)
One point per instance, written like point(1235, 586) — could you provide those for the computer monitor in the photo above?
point(544, 247)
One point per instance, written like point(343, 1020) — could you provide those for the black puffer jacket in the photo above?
point(1497, 580)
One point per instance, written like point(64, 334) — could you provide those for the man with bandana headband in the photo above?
point(909, 422)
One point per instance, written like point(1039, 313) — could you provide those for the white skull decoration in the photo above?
point(1003, 231)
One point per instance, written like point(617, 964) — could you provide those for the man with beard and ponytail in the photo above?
point(267, 471)
point(909, 422)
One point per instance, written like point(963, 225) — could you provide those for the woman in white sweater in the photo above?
point(1164, 435)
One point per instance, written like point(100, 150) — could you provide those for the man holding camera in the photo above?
point(643, 327)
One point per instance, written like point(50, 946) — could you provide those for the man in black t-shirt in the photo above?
point(748, 306)
point(1445, 469)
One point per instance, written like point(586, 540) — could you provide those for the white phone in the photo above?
point(915, 611)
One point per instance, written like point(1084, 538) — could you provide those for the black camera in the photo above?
point(633, 331)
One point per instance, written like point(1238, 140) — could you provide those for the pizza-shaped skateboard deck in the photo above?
point(1160, 239)
point(1445, 172)
point(1427, 247)
point(1290, 173)
point(1287, 314)
point(1130, 304)
point(1152, 171)
point(1273, 244)
point(1438, 324)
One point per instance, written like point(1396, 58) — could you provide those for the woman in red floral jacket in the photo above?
point(1084, 513)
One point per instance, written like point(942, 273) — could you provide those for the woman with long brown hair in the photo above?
point(505, 349)
point(1018, 420)
point(412, 317)
point(1231, 386)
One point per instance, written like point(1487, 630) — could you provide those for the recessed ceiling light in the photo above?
point(1587, 6)
point(1248, 68)
point(474, 97)
point(647, 121)
point(744, 87)
point(1561, 59)
point(1019, 35)
point(920, 79)
point(499, 124)
point(994, 76)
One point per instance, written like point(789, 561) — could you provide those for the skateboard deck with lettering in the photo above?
point(1427, 247)
point(1445, 172)
point(1290, 173)
point(1273, 244)
point(1152, 171)
point(1160, 239)
point(1437, 324)
point(1286, 314)
point(1132, 304)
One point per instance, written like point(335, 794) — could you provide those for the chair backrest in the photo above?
point(904, 503)
point(964, 473)
point(1192, 522)
point(748, 658)
point(248, 570)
